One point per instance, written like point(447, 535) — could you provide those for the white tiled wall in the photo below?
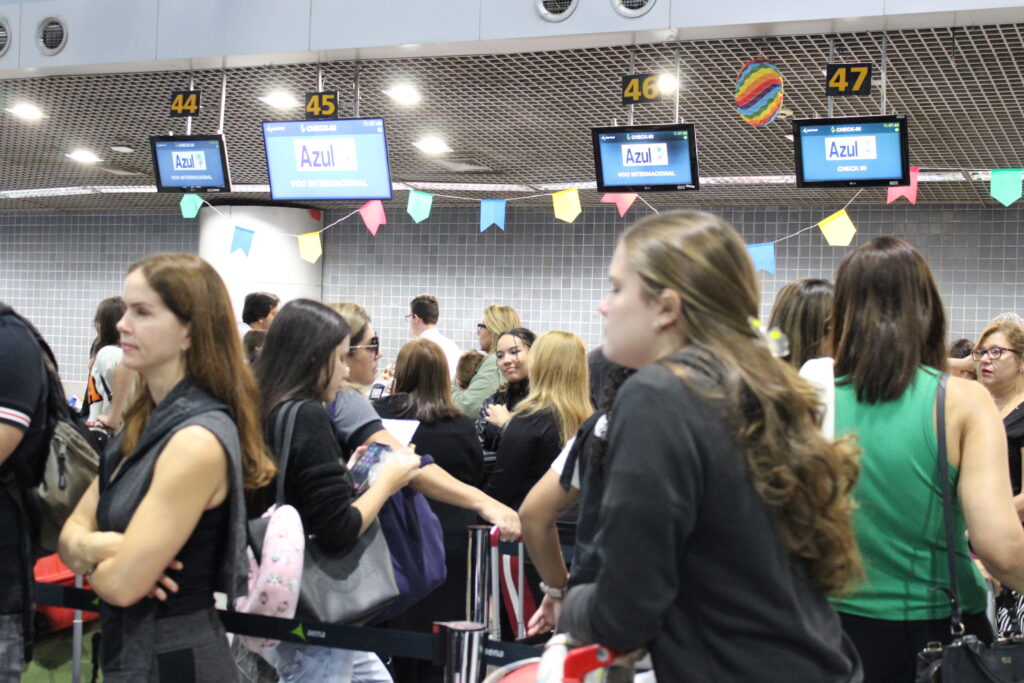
point(55, 267)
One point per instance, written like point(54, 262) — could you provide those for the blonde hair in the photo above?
point(1014, 334)
point(559, 380)
point(801, 475)
point(356, 317)
point(500, 319)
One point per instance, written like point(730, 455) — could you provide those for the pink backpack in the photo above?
point(275, 580)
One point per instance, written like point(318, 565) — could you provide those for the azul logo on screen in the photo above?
point(189, 161)
point(650, 154)
point(852, 147)
point(327, 154)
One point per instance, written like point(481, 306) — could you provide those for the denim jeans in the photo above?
point(12, 652)
point(297, 663)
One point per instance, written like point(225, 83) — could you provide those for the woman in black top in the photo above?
point(316, 483)
point(558, 403)
point(999, 361)
point(166, 517)
point(512, 351)
point(726, 517)
point(422, 391)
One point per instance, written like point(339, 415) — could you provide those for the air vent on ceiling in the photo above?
point(555, 10)
point(52, 36)
point(633, 8)
point(5, 36)
point(464, 165)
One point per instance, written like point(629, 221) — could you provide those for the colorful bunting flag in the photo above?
point(373, 215)
point(838, 229)
point(621, 200)
point(310, 247)
point(763, 256)
point(190, 205)
point(908, 192)
point(492, 212)
point(419, 205)
point(567, 205)
point(1005, 185)
point(241, 239)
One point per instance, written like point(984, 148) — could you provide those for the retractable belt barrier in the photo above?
point(411, 644)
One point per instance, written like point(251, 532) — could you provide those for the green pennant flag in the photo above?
point(419, 205)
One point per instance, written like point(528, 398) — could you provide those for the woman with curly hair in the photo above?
point(726, 520)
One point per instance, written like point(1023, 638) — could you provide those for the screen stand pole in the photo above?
point(885, 64)
point(355, 92)
point(188, 120)
point(831, 58)
point(632, 70)
point(223, 100)
point(675, 113)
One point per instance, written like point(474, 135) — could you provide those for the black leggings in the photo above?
point(889, 649)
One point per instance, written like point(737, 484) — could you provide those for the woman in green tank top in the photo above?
point(888, 339)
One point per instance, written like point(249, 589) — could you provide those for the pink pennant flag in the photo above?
point(908, 192)
point(373, 215)
point(622, 201)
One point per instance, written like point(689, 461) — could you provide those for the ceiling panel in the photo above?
point(526, 115)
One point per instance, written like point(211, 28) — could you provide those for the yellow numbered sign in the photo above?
point(322, 105)
point(844, 80)
point(186, 102)
point(639, 88)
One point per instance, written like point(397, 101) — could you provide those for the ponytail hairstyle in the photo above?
point(804, 478)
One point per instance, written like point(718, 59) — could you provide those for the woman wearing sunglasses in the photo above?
point(999, 363)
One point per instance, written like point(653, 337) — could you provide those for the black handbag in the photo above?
point(349, 588)
point(966, 659)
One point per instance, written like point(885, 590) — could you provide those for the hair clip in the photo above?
point(778, 343)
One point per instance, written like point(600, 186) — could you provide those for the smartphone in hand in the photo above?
point(370, 460)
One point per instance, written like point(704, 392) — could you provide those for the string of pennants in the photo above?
point(1005, 186)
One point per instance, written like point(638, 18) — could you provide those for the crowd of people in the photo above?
point(749, 502)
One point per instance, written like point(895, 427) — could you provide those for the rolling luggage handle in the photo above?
point(515, 594)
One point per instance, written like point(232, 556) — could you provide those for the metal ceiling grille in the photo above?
point(527, 115)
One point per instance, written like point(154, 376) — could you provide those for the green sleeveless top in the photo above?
point(898, 520)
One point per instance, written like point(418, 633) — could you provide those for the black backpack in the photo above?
point(59, 473)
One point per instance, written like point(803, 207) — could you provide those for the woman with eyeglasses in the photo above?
point(497, 319)
point(513, 356)
point(358, 424)
point(889, 342)
point(999, 363)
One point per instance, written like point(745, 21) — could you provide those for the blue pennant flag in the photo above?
point(242, 239)
point(763, 256)
point(492, 212)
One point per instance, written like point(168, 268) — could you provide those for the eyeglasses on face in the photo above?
point(993, 352)
point(373, 345)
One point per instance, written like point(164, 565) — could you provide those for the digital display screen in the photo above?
point(329, 159)
point(190, 163)
point(850, 152)
point(646, 158)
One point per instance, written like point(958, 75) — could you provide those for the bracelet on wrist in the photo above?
point(551, 592)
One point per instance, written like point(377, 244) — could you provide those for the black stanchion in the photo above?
point(384, 641)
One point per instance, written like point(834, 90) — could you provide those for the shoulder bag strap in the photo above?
point(284, 428)
point(956, 624)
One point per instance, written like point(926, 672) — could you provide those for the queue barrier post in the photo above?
point(481, 594)
point(462, 646)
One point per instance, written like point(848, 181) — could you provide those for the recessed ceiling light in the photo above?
point(432, 145)
point(123, 149)
point(24, 110)
point(83, 156)
point(280, 100)
point(667, 84)
point(403, 93)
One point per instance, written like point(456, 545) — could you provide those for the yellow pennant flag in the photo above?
point(310, 248)
point(567, 205)
point(838, 229)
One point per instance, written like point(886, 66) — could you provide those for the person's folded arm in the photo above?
point(539, 513)
point(646, 515)
point(189, 476)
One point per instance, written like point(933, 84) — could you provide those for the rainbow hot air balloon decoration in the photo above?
point(759, 92)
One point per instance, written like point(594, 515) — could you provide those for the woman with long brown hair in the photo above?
point(166, 517)
point(726, 518)
point(802, 311)
point(889, 344)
